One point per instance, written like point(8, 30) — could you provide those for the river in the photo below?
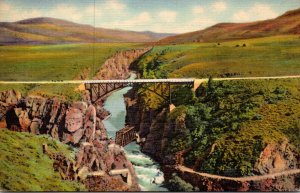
point(150, 177)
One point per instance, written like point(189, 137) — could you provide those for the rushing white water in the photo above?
point(149, 175)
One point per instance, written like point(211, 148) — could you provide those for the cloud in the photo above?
point(257, 12)
point(9, 12)
point(167, 16)
point(4, 6)
point(198, 10)
point(66, 11)
point(219, 6)
point(91, 8)
point(137, 22)
point(114, 5)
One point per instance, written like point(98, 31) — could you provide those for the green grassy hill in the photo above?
point(54, 62)
point(56, 31)
point(24, 166)
point(270, 56)
point(285, 24)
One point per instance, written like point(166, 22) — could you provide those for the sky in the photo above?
point(171, 16)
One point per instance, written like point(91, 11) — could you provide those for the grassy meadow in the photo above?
point(24, 166)
point(54, 62)
point(270, 56)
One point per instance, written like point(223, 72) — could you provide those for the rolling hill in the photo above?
point(288, 23)
point(54, 31)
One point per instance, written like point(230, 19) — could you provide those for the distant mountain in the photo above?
point(288, 23)
point(158, 35)
point(54, 31)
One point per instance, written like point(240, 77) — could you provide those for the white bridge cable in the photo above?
point(102, 81)
point(172, 80)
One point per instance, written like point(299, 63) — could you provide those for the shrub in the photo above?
point(178, 184)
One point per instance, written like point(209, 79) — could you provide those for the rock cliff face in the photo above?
point(276, 157)
point(78, 124)
point(150, 124)
point(117, 67)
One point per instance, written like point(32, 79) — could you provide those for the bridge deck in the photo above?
point(173, 80)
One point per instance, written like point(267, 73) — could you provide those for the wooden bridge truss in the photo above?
point(125, 136)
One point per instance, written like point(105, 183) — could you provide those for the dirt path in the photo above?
point(241, 179)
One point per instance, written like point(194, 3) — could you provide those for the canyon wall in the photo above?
point(117, 67)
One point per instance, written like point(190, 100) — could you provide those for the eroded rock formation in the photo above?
point(117, 67)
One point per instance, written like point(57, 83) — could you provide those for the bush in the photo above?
point(178, 184)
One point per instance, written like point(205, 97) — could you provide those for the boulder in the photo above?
point(12, 97)
point(24, 121)
point(35, 125)
point(82, 106)
point(74, 119)
point(275, 157)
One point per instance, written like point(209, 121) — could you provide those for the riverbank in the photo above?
point(150, 177)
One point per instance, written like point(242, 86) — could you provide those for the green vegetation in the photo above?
point(228, 123)
point(54, 62)
point(62, 91)
point(178, 184)
point(24, 166)
point(270, 56)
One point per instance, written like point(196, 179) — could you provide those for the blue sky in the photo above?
point(174, 16)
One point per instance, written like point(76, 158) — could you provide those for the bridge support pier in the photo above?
point(122, 172)
point(197, 83)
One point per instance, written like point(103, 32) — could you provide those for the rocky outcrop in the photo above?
point(117, 66)
point(94, 163)
point(151, 125)
point(276, 157)
point(8, 99)
point(67, 122)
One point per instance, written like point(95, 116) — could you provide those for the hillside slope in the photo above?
point(53, 31)
point(288, 23)
point(24, 166)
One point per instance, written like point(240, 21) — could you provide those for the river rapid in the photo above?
point(150, 177)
